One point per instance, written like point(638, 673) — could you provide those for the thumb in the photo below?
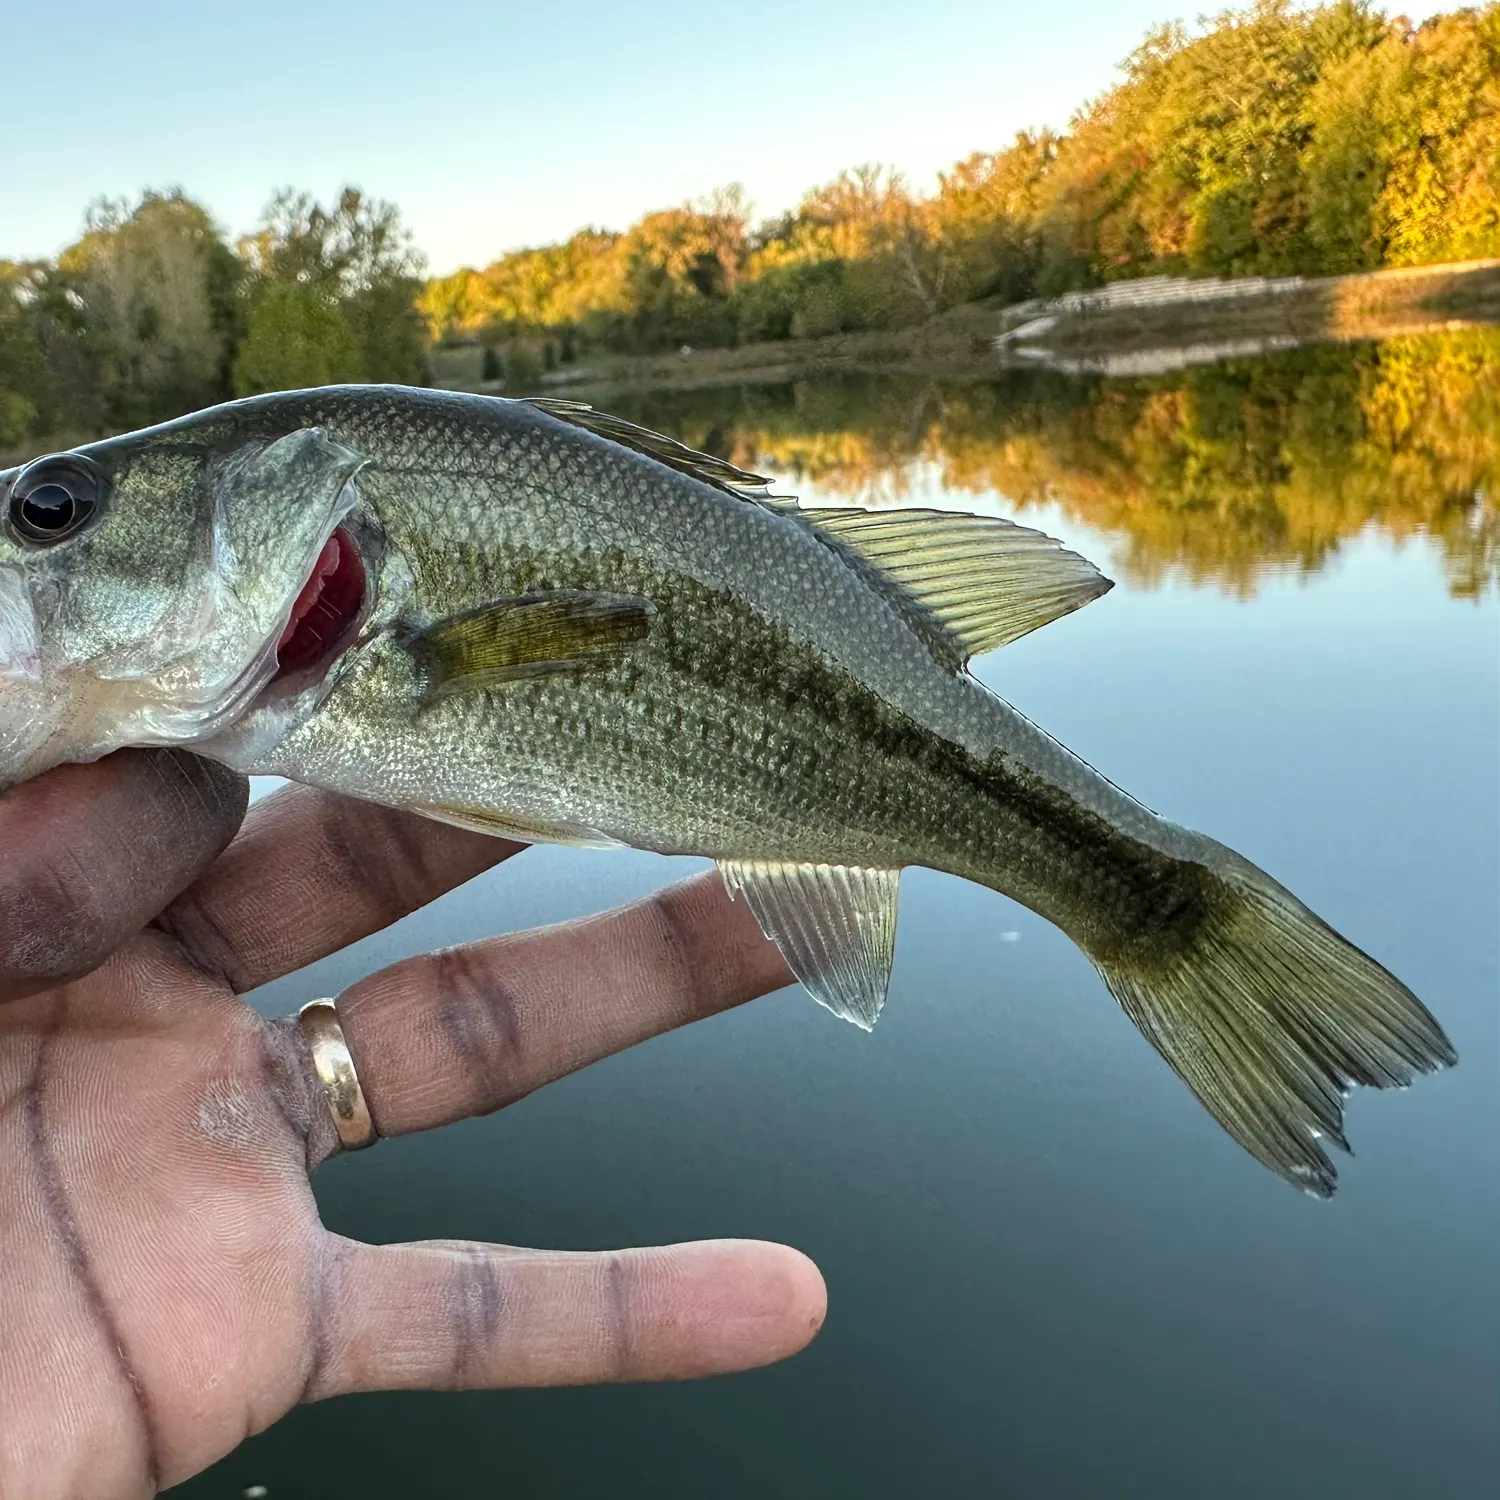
point(92, 853)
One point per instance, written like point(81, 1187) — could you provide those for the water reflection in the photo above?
point(1051, 1276)
point(1220, 473)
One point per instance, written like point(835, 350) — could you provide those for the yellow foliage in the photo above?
point(1276, 140)
point(1221, 474)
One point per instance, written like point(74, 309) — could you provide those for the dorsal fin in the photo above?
point(985, 581)
point(718, 472)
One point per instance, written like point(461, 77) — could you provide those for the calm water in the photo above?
point(1050, 1274)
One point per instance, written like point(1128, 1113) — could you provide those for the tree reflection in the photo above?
point(1221, 473)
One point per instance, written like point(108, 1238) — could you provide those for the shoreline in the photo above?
point(958, 342)
point(1139, 327)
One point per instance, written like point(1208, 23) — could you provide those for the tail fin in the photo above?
point(1269, 1016)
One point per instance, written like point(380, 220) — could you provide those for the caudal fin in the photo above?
point(1269, 1016)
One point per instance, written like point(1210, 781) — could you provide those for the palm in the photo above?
point(168, 1250)
point(166, 1287)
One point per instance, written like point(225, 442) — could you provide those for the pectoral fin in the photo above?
point(835, 926)
point(517, 826)
point(533, 635)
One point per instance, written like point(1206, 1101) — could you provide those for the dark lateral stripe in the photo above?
point(992, 820)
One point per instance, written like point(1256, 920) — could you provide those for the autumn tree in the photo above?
point(1267, 140)
point(1273, 140)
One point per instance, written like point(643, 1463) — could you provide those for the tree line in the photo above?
point(152, 313)
point(1271, 141)
point(1276, 142)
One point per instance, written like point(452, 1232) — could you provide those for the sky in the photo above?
point(494, 125)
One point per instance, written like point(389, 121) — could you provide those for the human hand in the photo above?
point(166, 1287)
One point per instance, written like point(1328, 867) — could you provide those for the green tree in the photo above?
point(681, 268)
point(1350, 154)
point(157, 289)
point(359, 259)
point(27, 395)
point(1441, 195)
point(296, 338)
point(1194, 163)
point(981, 224)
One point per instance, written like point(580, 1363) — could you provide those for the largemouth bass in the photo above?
point(526, 617)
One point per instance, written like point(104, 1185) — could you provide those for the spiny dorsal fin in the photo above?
point(987, 582)
point(718, 472)
point(834, 924)
point(532, 635)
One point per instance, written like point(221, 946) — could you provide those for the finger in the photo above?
point(466, 1316)
point(92, 853)
point(465, 1031)
point(312, 872)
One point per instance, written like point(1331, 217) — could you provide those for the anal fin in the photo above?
point(834, 924)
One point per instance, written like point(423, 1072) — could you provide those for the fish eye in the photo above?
point(54, 498)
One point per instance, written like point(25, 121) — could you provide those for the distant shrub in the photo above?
point(819, 312)
point(295, 338)
point(523, 368)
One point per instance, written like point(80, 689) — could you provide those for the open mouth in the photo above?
point(326, 610)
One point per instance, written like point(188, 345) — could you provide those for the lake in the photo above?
point(1051, 1276)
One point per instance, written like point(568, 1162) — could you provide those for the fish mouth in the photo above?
point(325, 617)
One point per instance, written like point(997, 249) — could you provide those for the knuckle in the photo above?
point(616, 1333)
point(481, 1025)
point(53, 924)
point(477, 1298)
point(676, 951)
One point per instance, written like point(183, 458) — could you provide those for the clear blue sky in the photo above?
point(494, 125)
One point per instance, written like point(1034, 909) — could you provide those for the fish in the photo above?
point(533, 619)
